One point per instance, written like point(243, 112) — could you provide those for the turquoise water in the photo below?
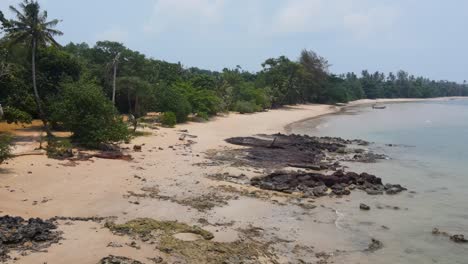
point(431, 160)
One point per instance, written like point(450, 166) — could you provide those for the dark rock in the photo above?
point(320, 190)
point(392, 189)
point(137, 148)
point(373, 191)
point(374, 245)
point(316, 184)
point(364, 207)
point(458, 238)
point(21, 234)
point(118, 260)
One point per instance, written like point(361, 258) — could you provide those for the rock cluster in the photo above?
point(302, 151)
point(18, 233)
point(317, 185)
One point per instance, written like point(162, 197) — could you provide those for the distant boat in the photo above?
point(378, 107)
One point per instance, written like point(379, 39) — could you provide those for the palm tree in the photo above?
point(32, 28)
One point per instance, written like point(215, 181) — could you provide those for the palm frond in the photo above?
point(18, 14)
point(51, 23)
point(53, 32)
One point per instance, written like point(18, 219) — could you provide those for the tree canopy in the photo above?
point(64, 76)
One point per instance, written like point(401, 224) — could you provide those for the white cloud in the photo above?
point(375, 20)
point(114, 34)
point(191, 14)
point(360, 18)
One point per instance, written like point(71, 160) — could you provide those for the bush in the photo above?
point(59, 148)
point(205, 101)
point(169, 119)
point(173, 99)
point(5, 148)
point(203, 116)
point(89, 115)
point(14, 115)
point(245, 107)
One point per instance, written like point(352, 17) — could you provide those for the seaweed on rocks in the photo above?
point(204, 250)
point(17, 233)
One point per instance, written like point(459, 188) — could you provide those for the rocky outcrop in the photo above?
point(317, 184)
point(17, 233)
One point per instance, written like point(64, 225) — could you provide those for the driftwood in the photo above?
point(113, 155)
point(29, 154)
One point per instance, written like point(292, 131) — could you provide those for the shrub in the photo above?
point(169, 119)
point(205, 101)
point(244, 107)
point(203, 116)
point(5, 148)
point(59, 148)
point(14, 115)
point(172, 99)
point(89, 115)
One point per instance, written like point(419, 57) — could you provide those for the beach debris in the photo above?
point(457, 238)
point(364, 207)
point(317, 184)
point(118, 155)
point(111, 259)
point(19, 234)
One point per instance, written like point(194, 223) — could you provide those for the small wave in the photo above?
point(339, 218)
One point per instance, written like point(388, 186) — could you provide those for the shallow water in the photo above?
point(431, 160)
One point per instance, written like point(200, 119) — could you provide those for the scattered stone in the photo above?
point(133, 244)
point(114, 245)
point(458, 238)
point(156, 260)
point(364, 207)
point(118, 260)
point(137, 148)
point(374, 245)
point(80, 219)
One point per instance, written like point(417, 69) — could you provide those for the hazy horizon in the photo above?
point(422, 37)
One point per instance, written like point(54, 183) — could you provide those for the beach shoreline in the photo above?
point(35, 186)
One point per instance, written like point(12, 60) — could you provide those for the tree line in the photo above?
point(85, 89)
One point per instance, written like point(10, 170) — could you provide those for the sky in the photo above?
point(425, 37)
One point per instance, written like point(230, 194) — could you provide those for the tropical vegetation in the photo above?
point(85, 89)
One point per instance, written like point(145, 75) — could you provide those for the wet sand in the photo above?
point(35, 186)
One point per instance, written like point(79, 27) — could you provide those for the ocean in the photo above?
point(427, 146)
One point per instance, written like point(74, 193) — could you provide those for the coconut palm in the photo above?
point(32, 28)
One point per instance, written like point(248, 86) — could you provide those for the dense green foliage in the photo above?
point(84, 110)
point(75, 82)
point(169, 119)
point(5, 148)
point(14, 115)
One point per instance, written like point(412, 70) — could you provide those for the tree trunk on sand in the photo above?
point(113, 82)
point(36, 93)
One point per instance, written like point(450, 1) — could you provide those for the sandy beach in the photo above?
point(172, 164)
